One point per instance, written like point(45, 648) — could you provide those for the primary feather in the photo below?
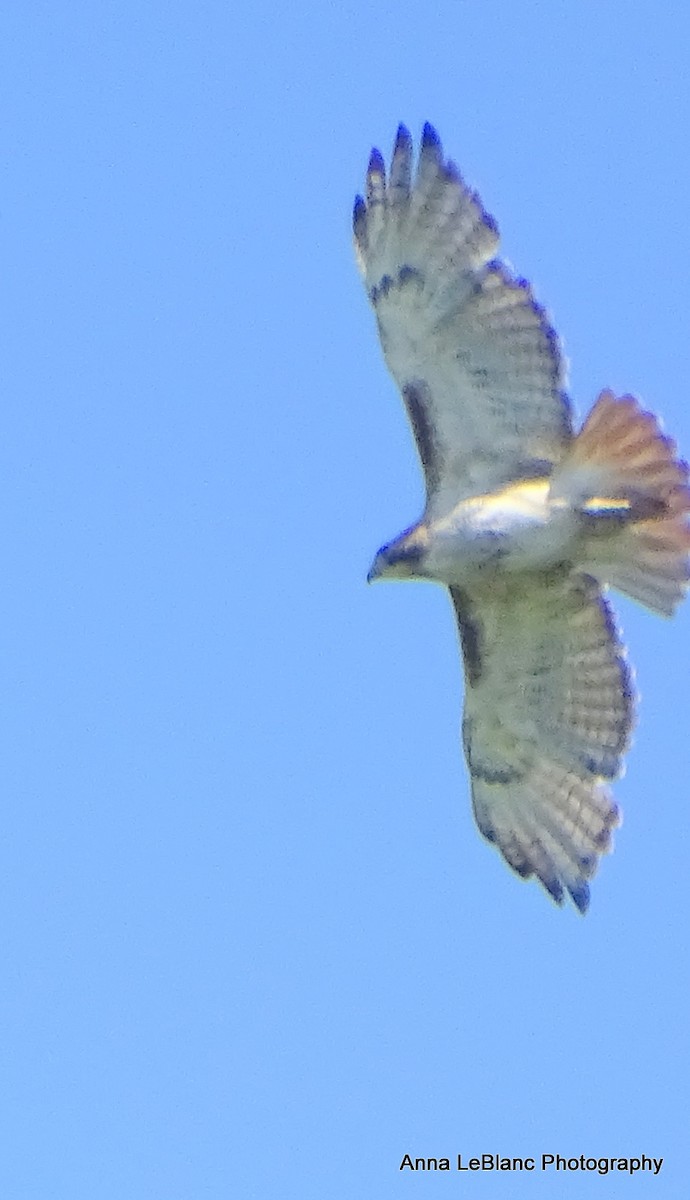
point(475, 356)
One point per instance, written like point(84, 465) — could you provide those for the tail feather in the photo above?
point(623, 474)
point(620, 453)
point(648, 561)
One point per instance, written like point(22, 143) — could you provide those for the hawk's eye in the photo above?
point(409, 554)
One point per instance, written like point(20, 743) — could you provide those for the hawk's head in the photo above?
point(403, 558)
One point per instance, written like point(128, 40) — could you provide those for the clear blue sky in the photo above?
point(252, 945)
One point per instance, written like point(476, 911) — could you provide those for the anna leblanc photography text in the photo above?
point(543, 1162)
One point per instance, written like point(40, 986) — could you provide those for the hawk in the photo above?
point(526, 522)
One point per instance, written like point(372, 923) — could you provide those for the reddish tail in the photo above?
point(624, 474)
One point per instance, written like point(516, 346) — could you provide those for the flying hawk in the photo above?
point(525, 521)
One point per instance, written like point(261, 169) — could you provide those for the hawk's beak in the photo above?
point(376, 569)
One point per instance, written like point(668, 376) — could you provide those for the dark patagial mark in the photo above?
point(470, 635)
point(416, 400)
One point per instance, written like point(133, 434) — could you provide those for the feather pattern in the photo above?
point(461, 334)
point(548, 716)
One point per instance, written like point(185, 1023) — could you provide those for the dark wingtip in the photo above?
point(359, 213)
point(430, 138)
point(555, 889)
point(580, 896)
point(403, 136)
point(376, 163)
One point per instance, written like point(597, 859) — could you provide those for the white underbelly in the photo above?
point(517, 529)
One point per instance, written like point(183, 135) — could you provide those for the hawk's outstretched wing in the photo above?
point(548, 713)
point(474, 355)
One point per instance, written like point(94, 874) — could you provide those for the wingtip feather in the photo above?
point(430, 137)
point(359, 212)
point(403, 138)
point(376, 164)
point(376, 178)
point(430, 152)
point(401, 166)
point(580, 895)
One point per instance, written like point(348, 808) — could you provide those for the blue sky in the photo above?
point(252, 945)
